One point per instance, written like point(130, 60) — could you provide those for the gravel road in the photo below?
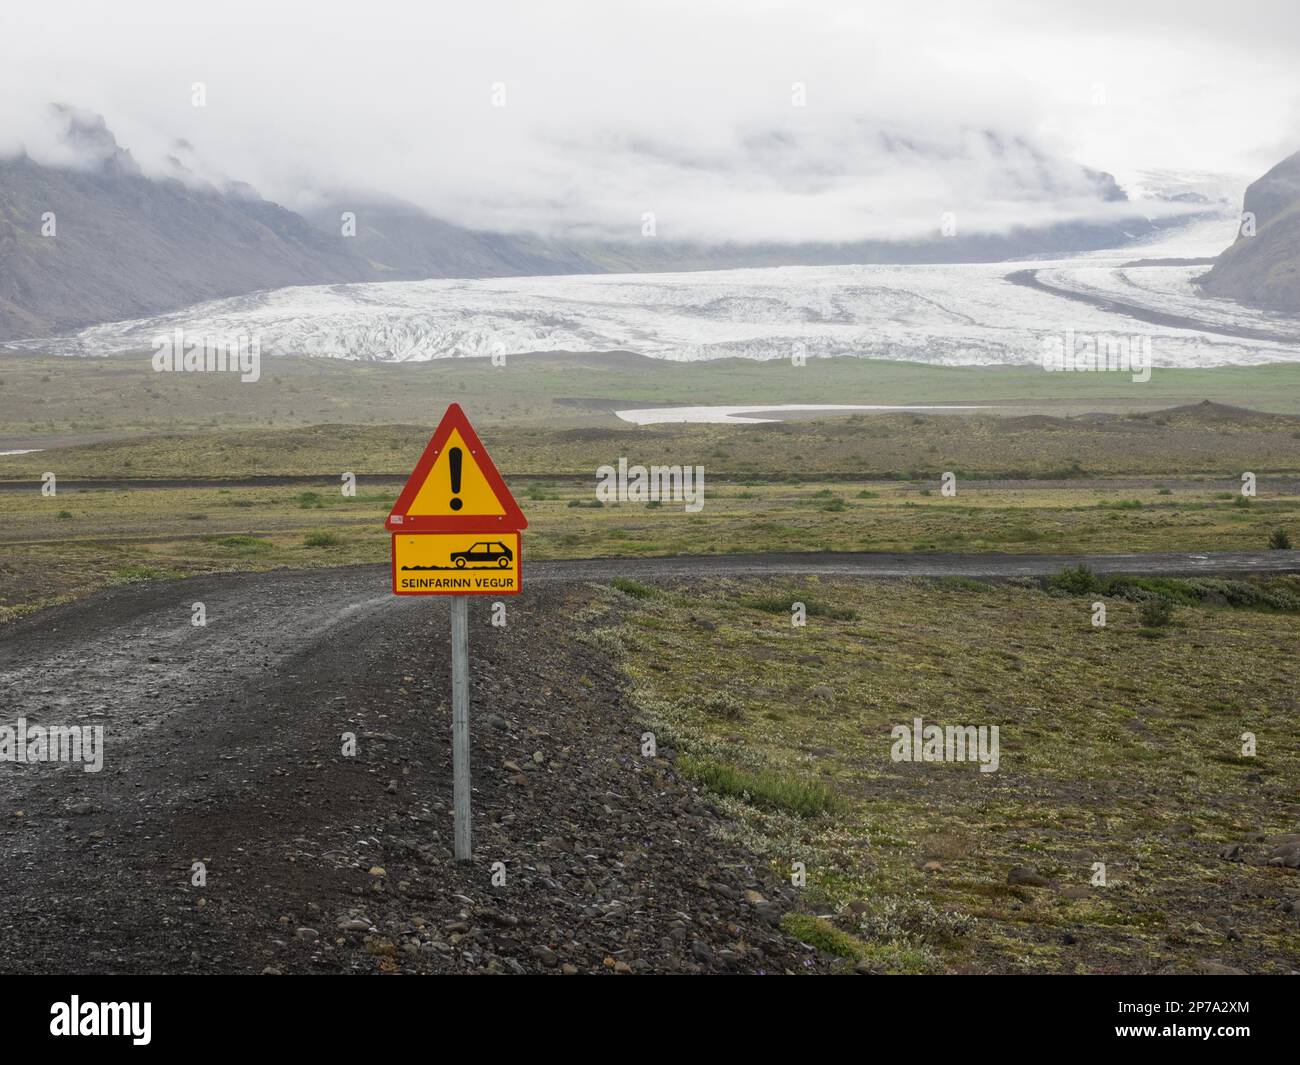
point(223, 745)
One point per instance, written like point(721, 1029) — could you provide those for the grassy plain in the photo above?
point(52, 397)
point(1119, 745)
point(203, 501)
point(80, 539)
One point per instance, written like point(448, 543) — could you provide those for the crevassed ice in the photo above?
point(946, 315)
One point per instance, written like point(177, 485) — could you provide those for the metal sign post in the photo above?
point(460, 722)
point(456, 532)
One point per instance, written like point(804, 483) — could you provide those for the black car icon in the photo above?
point(484, 551)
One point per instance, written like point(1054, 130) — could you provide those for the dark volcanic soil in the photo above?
point(224, 746)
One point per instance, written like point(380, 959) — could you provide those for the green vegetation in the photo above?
point(121, 395)
point(131, 574)
point(1128, 483)
point(189, 530)
point(635, 589)
point(1077, 580)
point(1113, 749)
point(1280, 593)
point(244, 545)
point(765, 789)
point(772, 604)
point(1156, 613)
point(820, 933)
point(833, 453)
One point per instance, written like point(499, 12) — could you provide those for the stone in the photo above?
point(1027, 876)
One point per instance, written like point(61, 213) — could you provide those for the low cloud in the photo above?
point(727, 121)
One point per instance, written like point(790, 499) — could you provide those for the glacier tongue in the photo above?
point(941, 314)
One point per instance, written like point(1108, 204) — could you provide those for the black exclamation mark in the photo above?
point(454, 457)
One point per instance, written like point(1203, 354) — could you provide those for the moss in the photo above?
point(784, 604)
point(764, 788)
point(244, 545)
point(820, 933)
point(132, 573)
point(635, 589)
point(1093, 723)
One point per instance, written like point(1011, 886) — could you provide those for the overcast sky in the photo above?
point(685, 109)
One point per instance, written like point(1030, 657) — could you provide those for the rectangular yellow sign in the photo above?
point(456, 563)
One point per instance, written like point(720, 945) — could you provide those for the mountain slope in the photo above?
point(1264, 269)
point(126, 246)
point(399, 241)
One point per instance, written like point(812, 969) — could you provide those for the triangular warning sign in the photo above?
point(454, 487)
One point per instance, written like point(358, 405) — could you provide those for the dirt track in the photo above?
point(223, 746)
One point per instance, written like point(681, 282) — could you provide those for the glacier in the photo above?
point(962, 314)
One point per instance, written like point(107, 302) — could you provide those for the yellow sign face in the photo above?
point(456, 563)
point(456, 486)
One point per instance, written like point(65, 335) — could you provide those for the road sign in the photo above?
point(456, 529)
point(454, 486)
point(456, 563)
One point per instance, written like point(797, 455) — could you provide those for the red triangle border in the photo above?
point(513, 519)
